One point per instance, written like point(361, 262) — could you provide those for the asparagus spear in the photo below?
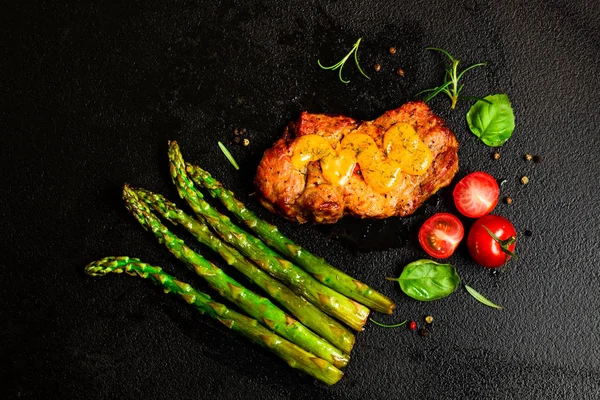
point(333, 303)
point(256, 306)
point(316, 266)
point(289, 352)
point(308, 314)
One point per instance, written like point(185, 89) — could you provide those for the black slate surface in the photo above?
point(91, 92)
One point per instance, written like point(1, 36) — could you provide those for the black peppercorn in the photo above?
point(423, 332)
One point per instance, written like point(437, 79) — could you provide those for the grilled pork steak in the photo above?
point(305, 195)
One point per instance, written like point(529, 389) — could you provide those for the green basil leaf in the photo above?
point(427, 280)
point(493, 121)
point(480, 298)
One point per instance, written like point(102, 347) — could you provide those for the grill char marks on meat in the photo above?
point(306, 196)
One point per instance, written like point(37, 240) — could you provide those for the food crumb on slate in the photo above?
point(496, 156)
point(377, 67)
point(246, 142)
point(412, 325)
point(528, 157)
point(508, 200)
point(429, 319)
point(392, 50)
point(524, 180)
point(400, 72)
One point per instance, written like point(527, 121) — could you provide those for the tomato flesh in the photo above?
point(476, 194)
point(440, 235)
point(483, 248)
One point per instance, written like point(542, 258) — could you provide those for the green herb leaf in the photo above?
point(492, 121)
point(387, 326)
point(427, 280)
point(228, 156)
point(479, 297)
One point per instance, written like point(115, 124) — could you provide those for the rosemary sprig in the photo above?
point(451, 81)
point(341, 63)
point(228, 156)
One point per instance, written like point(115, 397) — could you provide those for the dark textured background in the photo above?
point(90, 94)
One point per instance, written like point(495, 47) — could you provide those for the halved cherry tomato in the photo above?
point(476, 194)
point(484, 248)
point(440, 235)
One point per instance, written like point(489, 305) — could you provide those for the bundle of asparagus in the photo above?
point(305, 285)
point(316, 266)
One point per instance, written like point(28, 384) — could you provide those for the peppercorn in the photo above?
point(524, 180)
point(392, 50)
point(528, 157)
point(237, 140)
point(412, 325)
point(528, 233)
point(423, 332)
point(400, 72)
point(236, 131)
point(496, 156)
point(537, 159)
point(246, 142)
point(429, 319)
point(377, 67)
point(243, 131)
point(508, 200)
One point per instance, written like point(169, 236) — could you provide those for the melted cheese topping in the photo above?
point(402, 144)
point(403, 151)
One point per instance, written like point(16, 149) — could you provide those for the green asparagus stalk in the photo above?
point(308, 314)
point(333, 303)
point(250, 328)
point(316, 266)
point(256, 306)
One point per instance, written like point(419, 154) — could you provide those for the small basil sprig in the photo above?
point(427, 280)
point(492, 120)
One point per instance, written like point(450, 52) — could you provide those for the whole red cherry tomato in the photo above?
point(476, 194)
point(440, 235)
point(493, 246)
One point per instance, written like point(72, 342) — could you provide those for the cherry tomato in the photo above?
point(476, 194)
point(486, 250)
point(440, 235)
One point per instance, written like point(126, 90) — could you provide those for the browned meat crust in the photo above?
point(309, 197)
